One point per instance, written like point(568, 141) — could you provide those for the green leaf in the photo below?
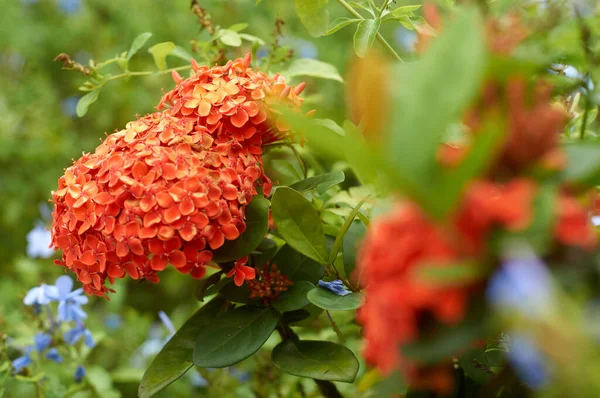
point(181, 53)
point(294, 316)
point(238, 27)
point(456, 274)
point(323, 298)
point(298, 267)
point(138, 43)
point(299, 224)
point(294, 298)
point(175, 359)
point(583, 167)
point(314, 15)
point(84, 102)
point(313, 68)
point(159, 53)
point(237, 294)
point(229, 38)
point(252, 39)
point(322, 182)
point(365, 36)
point(402, 11)
point(320, 360)
point(205, 283)
point(234, 336)
point(350, 245)
point(340, 23)
point(257, 225)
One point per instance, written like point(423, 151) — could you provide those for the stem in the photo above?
point(335, 328)
point(381, 39)
point(145, 73)
point(383, 7)
point(585, 116)
point(300, 160)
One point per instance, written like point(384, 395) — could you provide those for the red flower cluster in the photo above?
point(173, 186)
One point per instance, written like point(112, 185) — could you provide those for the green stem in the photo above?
point(586, 112)
point(380, 38)
point(335, 328)
point(145, 73)
point(383, 7)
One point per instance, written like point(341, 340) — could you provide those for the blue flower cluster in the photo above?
point(69, 312)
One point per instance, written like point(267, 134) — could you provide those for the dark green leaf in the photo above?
point(159, 53)
point(322, 182)
point(350, 245)
point(237, 294)
point(313, 68)
point(294, 298)
point(320, 360)
point(175, 359)
point(365, 36)
point(234, 336)
point(257, 225)
point(138, 43)
point(314, 15)
point(392, 385)
point(583, 167)
point(84, 102)
point(294, 316)
point(340, 23)
point(205, 283)
point(328, 300)
point(299, 224)
point(298, 267)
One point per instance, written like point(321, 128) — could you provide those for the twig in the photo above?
point(335, 327)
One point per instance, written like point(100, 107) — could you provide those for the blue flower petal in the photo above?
point(73, 335)
point(21, 363)
point(64, 284)
point(53, 355)
point(528, 361)
point(88, 339)
point(79, 374)
point(42, 341)
point(39, 241)
point(336, 287)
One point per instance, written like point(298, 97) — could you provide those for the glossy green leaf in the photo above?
point(175, 359)
point(233, 336)
point(340, 23)
point(84, 102)
point(320, 360)
point(229, 38)
point(313, 68)
point(322, 182)
point(294, 298)
point(159, 53)
point(298, 267)
point(365, 36)
point(326, 299)
point(583, 167)
point(314, 15)
point(350, 245)
point(299, 224)
point(138, 43)
point(257, 225)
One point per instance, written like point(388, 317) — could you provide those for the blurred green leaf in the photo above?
point(238, 27)
point(313, 68)
point(175, 359)
point(326, 299)
point(350, 245)
point(234, 336)
point(252, 39)
point(320, 360)
point(138, 43)
point(294, 298)
point(181, 53)
point(365, 34)
point(454, 274)
point(159, 53)
point(229, 37)
point(84, 102)
point(340, 23)
point(299, 224)
point(321, 182)
point(583, 164)
point(296, 266)
point(257, 225)
point(314, 15)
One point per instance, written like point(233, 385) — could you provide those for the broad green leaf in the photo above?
point(175, 359)
point(313, 68)
point(294, 316)
point(238, 27)
point(229, 38)
point(182, 53)
point(365, 36)
point(237, 294)
point(322, 182)
point(234, 336)
point(294, 298)
point(350, 245)
point(257, 225)
point(299, 224)
point(314, 15)
point(138, 43)
point(583, 167)
point(320, 360)
point(84, 102)
point(205, 283)
point(296, 266)
point(455, 274)
point(159, 53)
point(252, 39)
point(328, 300)
point(340, 23)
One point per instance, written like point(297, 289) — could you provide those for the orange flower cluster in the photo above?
point(172, 186)
point(269, 284)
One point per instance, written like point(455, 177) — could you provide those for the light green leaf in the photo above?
point(298, 267)
point(313, 68)
point(238, 27)
point(402, 11)
point(159, 53)
point(314, 15)
point(257, 225)
point(234, 336)
point(322, 182)
point(583, 164)
point(175, 359)
point(326, 299)
point(320, 360)
point(251, 38)
point(84, 102)
point(294, 298)
point(340, 23)
point(138, 43)
point(229, 38)
point(365, 36)
point(299, 224)
point(182, 53)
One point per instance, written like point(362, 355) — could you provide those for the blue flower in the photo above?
point(262, 53)
point(336, 287)
point(40, 295)
point(69, 6)
point(528, 361)
point(39, 241)
point(79, 374)
point(406, 38)
point(22, 362)
point(42, 341)
point(69, 302)
point(53, 355)
point(75, 334)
